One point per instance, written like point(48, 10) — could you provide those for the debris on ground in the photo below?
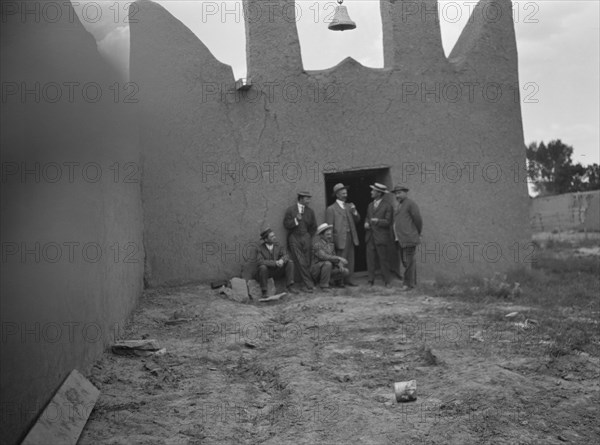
point(178, 317)
point(477, 336)
point(54, 425)
point(218, 284)
point(239, 289)
point(587, 251)
point(273, 298)
point(153, 369)
point(172, 321)
point(527, 324)
point(224, 290)
point(140, 348)
point(256, 292)
point(405, 391)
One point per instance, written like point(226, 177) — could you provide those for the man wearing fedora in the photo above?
point(408, 225)
point(301, 224)
point(273, 262)
point(343, 216)
point(326, 265)
point(377, 233)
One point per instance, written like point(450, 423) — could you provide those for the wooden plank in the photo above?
point(64, 417)
point(273, 298)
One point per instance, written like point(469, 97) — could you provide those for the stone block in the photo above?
point(239, 290)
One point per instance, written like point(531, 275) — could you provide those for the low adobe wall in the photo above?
point(569, 211)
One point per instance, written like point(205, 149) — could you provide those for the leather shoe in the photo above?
point(351, 284)
point(291, 290)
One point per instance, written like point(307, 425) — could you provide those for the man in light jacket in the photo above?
point(408, 225)
point(343, 216)
point(326, 266)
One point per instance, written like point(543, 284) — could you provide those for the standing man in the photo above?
point(343, 216)
point(377, 236)
point(407, 232)
point(301, 224)
point(273, 262)
point(326, 266)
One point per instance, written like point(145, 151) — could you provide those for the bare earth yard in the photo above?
point(320, 368)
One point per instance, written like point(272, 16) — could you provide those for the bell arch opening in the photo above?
point(322, 48)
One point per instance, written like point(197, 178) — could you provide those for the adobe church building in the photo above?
point(99, 194)
point(224, 160)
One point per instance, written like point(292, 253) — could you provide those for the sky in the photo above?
point(557, 42)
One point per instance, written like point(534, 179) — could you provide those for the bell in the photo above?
point(341, 20)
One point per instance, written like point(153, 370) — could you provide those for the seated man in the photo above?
point(326, 265)
point(273, 262)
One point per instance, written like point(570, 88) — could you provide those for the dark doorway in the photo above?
point(359, 193)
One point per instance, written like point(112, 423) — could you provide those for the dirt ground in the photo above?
point(320, 368)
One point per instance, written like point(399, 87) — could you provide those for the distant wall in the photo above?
point(221, 164)
point(71, 221)
point(569, 211)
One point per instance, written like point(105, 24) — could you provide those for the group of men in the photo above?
point(324, 254)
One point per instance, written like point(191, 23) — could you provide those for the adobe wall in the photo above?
point(71, 219)
point(449, 128)
point(569, 211)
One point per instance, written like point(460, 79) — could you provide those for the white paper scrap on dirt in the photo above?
point(405, 391)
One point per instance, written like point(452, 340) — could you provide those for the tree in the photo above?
point(592, 174)
point(552, 172)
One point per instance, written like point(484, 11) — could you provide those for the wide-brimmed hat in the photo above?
point(305, 193)
point(400, 188)
point(323, 227)
point(338, 187)
point(265, 233)
point(379, 187)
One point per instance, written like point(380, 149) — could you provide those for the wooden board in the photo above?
point(64, 417)
point(273, 298)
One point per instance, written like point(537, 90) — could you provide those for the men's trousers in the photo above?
point(348, 253)
point(324, 271)
point(379, 251)
point(407, 255)
point(300, 249)
point(264, 273)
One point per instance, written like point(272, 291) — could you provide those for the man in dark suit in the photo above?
point(273, 262)
point(343, 216)
point(301, 224)
point(377, 235)
point(408, 225)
